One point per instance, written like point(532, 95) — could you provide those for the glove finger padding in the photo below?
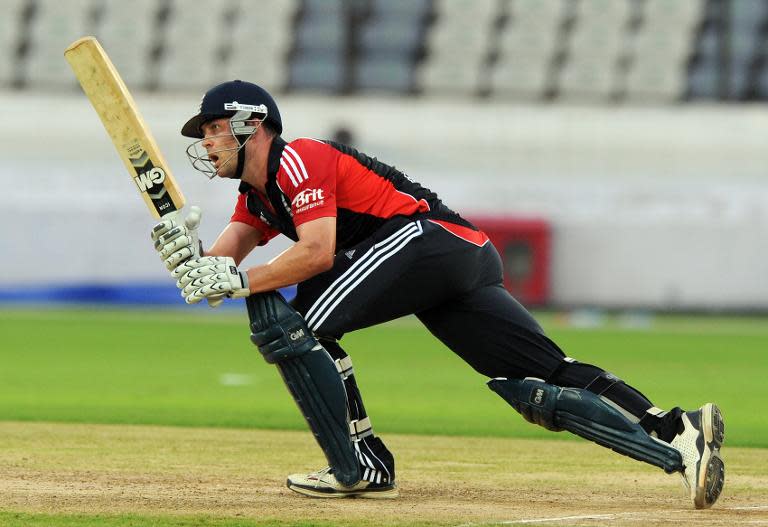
point(161, 228)
point(173, 261)
point(197, 267)
point(192, 264)
point(182, 269)
point(216, 291)
point(208, 291)
point(201, 272)
point(176, 241)
point(169, 236)
point(174, 245)
point(211, 276)
point(193, 295)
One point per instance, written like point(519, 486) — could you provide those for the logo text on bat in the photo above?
point(150, 178)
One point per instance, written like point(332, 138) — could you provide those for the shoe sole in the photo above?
point(712, 478)
point(387, 493)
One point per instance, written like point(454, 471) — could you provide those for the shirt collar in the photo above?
point(273, 163)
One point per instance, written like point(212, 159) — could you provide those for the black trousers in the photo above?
point(455, 289)
point(453, 286)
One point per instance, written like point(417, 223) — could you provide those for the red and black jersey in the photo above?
point(309, 179)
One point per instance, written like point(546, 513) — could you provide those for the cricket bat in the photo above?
point(130, 134)
point(121, 118)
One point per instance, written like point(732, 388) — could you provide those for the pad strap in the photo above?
point(602, 383)
point(554, 374)
point(344, 367)
point(360, 429)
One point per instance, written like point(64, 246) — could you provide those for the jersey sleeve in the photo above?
point(307, 176)
point(243, 215)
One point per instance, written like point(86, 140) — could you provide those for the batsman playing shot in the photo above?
point(372, 245)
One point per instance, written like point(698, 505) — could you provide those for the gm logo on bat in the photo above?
point(150, 178)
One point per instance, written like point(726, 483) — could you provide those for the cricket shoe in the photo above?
point(699, 443)
point(323, 484)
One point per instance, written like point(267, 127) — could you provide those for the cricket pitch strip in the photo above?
point(227, 473)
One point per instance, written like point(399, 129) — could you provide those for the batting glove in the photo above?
point(176, 241)
point(210, 276)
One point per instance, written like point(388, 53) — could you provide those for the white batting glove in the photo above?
point(176, 241)
point(210, 276)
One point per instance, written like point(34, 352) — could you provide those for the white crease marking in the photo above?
point(639, 516)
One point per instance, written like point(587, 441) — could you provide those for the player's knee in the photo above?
point(278, 330)
point(534, 399)
point(340, 358)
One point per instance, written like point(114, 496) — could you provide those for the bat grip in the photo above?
point(192, 218)
point(174, 215)
point(215, 301)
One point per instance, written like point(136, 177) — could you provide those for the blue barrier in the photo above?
point(135, 293)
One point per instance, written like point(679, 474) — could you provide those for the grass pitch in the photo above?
point(465, 458)
point(198, 368)
point(127, 475)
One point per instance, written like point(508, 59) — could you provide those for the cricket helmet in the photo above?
point(229, 98)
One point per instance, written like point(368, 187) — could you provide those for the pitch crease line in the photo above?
point(612, 516)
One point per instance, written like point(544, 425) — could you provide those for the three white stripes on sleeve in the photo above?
point(293, 166)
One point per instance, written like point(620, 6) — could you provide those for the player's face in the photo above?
point(221, 146)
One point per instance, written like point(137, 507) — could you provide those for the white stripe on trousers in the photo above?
point(331, 289)
point(380, 462)
point(351, 278)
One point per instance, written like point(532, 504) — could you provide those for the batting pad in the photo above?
point(310, 374)
point(585, 414)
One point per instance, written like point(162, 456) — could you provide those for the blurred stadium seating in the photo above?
point(582, 50)
point(661, 48)
point(10, 39)
point(634, 128)
point(458, 44)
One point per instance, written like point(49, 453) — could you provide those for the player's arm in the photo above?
point(237, 240)
point(214, 276)
point(177, 241)
point(311, 255)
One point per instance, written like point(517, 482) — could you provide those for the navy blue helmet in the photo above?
point(226, 99)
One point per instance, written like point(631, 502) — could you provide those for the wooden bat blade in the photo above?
point(132, 138)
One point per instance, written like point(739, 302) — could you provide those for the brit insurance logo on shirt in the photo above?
point(308, 199)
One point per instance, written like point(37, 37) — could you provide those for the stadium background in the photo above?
point(636, 129)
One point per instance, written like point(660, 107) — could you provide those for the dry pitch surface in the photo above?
point(110, 469)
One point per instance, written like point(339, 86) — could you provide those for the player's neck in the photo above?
point(255, 173)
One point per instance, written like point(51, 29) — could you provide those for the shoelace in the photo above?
point(320, 473)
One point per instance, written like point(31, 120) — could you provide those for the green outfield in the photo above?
point(198, 368)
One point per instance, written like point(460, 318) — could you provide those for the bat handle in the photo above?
point(193, 218)
point(174, 215)
point(215, 301)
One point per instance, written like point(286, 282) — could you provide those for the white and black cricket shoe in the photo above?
point(699, 443)
point(323, 484)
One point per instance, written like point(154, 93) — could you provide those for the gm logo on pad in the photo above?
point(296, 335)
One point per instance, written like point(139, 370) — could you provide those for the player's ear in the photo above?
point(263, 133)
